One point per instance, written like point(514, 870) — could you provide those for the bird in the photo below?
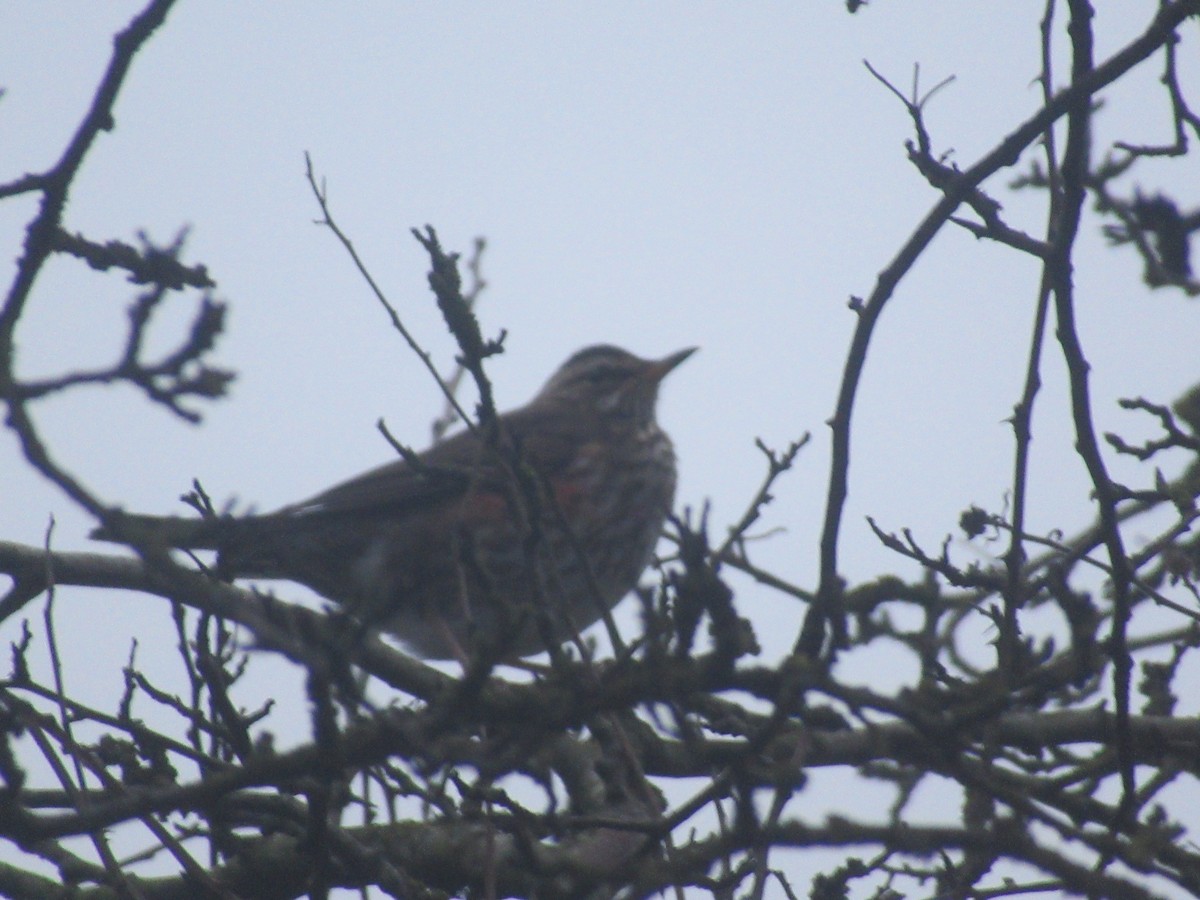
point(509, 543)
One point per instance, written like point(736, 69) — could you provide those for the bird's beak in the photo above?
point(658, 370)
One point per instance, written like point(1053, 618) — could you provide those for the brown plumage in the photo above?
point(439, 553)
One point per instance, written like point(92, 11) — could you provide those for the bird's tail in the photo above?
point(270, 546)
point(167, 531)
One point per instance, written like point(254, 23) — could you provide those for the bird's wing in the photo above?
point(447, 471)
point(387, 490)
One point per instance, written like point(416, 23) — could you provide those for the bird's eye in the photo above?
point(603, 376)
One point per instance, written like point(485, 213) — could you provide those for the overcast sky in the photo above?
point(651, 175)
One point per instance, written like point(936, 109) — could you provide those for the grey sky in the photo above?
point(656, 176)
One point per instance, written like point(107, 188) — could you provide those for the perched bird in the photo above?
point(471, 539)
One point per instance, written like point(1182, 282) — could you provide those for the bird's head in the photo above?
point(611, 383)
